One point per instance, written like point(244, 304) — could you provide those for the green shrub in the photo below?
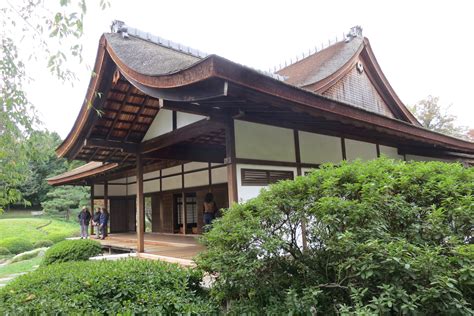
point(4, 251)
point(105, 287)
point(28, 255)
point(72, 250)
point(16, 245)
point(43, 243)
point(383, 237)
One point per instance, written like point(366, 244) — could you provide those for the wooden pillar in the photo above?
point(140, 207)
point(92, 208)
point(183, 205)
point(230, 160)
point(106, 204)
point(299, 173)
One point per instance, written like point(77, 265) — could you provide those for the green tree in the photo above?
point(435, 117)
point(60, 201)
point(42, 163)
point(384, 238)
point(49, 33)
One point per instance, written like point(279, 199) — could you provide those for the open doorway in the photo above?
point(190, 205)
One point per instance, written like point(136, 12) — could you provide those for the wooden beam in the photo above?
point(230, 159)
point(135, 120)
point(101, 143)
point(92, 207)
point(140, 206)
point(184, 133)
point(117, 115)
point(299, 173)
point(191, 152)
point(183, 204)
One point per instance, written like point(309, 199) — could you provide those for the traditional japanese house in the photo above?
point(163, 124)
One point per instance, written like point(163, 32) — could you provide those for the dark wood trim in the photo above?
point(179, 135)
point(343, 148)
point(140, 207)
point(101, 143)
point(106, 196)
point(297, 152)
point(183, 199)
point(209, 167)
point(135, 120)
point(231, 160)
point(377, 146)
point(92, 206)
point(275, 163)
point(175, 120)
point(161, 181)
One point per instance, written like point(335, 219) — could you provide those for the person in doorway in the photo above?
point(103, 220)
point(84, 219)
point(209, 209)
point(96, 222)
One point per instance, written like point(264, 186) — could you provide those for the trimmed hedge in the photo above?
point(16, 245)
point(43, 243)
point(383, 238)
point(72, 250)
point(126, 287)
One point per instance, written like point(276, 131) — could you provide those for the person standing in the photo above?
point(96, 222)
point(84, 219)
point(209, 209)
point(103, 220)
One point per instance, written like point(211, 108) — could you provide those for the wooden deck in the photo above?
point(164, 245)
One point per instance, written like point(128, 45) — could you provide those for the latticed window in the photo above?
point(191, 208)
point(257, 177)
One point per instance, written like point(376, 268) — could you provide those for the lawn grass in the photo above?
point(20, 267)
point(31, 228)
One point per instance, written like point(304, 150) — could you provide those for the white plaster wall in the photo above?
point(195, 165)
point(117, 190)
point(151, 186)
point(98, 190)
point(123, 180)
point(171, 183)
point(183, 119)
point(248, 192)
point(151, 175)
point(172, 170)
point(264, 142)
point(132, 189)
point(360, 150)
point(162, 124)
point(196, 179)
point(390, 152)
point(425, 158)
point(219, 175)
point(131, 179)
point(317, 148)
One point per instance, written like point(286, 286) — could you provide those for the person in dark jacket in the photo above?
point(84, 219)
point(96, 222)
point(103, 220)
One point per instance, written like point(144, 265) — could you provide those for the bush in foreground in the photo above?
point(16, 245)
point(107, 287)
point(383, 237)
point(4, 251)
point(72, 250)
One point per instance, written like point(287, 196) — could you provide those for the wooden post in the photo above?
point(92, 208)
point(106, 204)
point(299, 173)
point(140, 207)
point(183, 204)
point(230, 160)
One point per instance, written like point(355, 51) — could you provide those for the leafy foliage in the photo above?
point(125, 287)
point(435, 117)
point(72, 250)
point(16, 244)
point(62, 199)
point(28, 255)
point(384, 237)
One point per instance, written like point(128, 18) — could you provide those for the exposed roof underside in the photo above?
point(136, 78)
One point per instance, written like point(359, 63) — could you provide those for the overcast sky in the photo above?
point(423, 47)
